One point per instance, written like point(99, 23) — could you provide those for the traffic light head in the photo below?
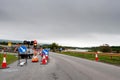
point(35, 44)
point(32, 42)
point(24, 42)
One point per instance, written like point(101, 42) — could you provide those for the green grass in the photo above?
point(9, 58)
point(103, 57)
point(107, 59)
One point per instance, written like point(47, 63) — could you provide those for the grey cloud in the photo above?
point(61, 19)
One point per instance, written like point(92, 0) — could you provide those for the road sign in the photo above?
point(22, 49)
point(9, 44)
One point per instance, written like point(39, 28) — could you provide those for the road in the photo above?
point(62, 67)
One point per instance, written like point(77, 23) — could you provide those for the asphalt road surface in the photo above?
point(61, 67)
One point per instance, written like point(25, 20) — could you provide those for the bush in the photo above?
point(105, 48)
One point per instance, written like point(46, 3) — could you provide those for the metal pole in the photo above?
point(18, 58)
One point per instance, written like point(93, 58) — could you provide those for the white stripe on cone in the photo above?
point(96, 55)
point(4, 60)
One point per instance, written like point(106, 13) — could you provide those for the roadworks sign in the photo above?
point(9, 44)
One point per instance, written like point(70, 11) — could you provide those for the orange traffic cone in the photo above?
point(4, 64)
point(96, 56)
point(44, 61)
point(35, 57)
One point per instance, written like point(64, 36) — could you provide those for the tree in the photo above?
point(116, 49)
point(54, 46)
point(105, 48)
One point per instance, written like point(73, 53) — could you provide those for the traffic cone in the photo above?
point(4, 64)
point(46, 56)
point(44, 61)
point(96, 56)
point(35, 57)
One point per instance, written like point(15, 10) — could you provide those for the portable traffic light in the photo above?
point(25, 42)
point(35, 44)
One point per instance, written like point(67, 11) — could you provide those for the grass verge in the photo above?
point(9, 58)
point(103, 57)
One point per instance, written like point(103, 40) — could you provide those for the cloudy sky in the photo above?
point(78, 23)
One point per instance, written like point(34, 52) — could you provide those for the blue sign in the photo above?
point(22, 49)
point(46, 52)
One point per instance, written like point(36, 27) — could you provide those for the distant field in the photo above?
point(103, 57)
point(10, 58)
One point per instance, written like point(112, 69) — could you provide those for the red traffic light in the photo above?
point(35, 42)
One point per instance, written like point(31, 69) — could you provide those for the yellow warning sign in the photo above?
point(9, 44)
